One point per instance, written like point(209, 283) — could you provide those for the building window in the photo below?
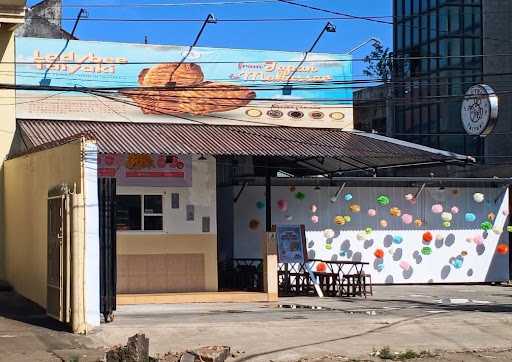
point(139, 212)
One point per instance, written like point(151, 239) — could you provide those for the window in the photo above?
point(139, 212)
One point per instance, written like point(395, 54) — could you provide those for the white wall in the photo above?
point(480, 263)
point(92, 238)
point(202, 195)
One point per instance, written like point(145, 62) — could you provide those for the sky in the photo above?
point(279, 35)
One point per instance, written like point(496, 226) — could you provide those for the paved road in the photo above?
point(447, 318)
point(454, 318)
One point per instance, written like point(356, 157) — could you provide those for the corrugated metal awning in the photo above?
point(354, 149)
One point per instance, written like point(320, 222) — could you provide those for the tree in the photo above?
point(379, 62)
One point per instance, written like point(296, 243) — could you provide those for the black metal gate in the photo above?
point(108, 269)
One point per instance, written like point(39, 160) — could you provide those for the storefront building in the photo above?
point(165, 178)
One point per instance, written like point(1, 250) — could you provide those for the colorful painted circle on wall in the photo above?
point(426, 250)
point(407, 219)
point(300, 195)
point(379, 253)
point(321, 267)
point(397, 239)
point(446, 216)
point(478, 197)
point(405, 265)
point(329, 233)
point(282, 205)
point(502, 249)
point(478, 239)
point(497, 230)
point(339, 220)
point(427, 237)
point(437, 208)
point(355, 208)
point(254, 224)
point(457, 262)
point(486, 225)
point(383, 200)
point(470, 217)
point(395, 211)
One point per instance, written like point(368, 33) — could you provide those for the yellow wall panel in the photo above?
point(27, 181)
point(150, 244)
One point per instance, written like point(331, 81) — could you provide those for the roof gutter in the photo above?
point(326, 181)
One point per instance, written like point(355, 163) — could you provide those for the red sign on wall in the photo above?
point(135, 169)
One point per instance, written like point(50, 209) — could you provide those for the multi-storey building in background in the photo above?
point(442, 48)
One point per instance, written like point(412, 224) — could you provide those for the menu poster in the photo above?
point(291, 243)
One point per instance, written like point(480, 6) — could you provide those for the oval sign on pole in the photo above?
point(479, 112)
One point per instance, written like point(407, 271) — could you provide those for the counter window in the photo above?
point(139, 212)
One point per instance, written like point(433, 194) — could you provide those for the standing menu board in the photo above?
point(291, 243)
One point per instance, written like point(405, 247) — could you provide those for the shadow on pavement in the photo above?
point(14, 306)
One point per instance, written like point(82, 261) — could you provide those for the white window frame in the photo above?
point(144, 191)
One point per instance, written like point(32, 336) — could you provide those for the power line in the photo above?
point(320, 61)
point(153, 5)
point(140, 92)
point(234, 20)
point(335, 12)
point(115, 96)
point(422, 81)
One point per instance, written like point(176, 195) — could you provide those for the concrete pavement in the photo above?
point(27, 334)
point(445, 318)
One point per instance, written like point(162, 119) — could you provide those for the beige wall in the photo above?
point(7, 122)
point(27, 181)
point(12, 13)
point(183, 245)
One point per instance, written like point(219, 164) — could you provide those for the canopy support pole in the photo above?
point(268, 197)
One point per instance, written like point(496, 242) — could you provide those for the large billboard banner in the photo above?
point(152, 83)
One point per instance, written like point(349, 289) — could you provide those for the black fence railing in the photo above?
point(241, 274)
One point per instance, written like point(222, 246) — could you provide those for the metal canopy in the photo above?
point(316, 151)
